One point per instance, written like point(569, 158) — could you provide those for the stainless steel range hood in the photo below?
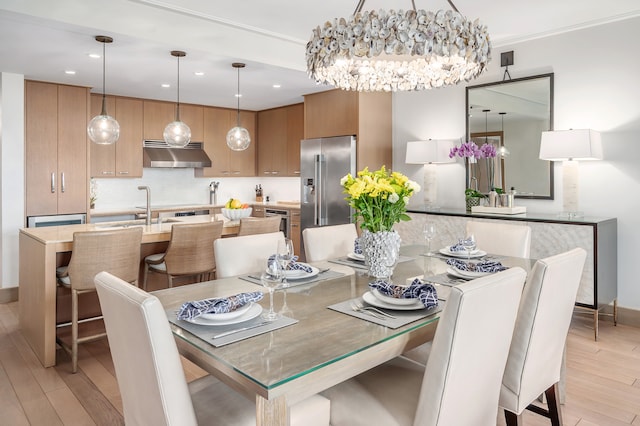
point(159, 154)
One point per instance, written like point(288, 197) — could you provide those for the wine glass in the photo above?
point(469, 244)
point(285, 256)
point(271, 278)
point(429, 231)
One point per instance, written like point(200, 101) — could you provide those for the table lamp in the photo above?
point(430, 153)
point(570, 146)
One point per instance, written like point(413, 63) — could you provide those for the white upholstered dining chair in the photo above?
point(328, 242)
point(536, 354)
point(501, 238)
point(461, 382)
point(150, 376)
point(245, 254)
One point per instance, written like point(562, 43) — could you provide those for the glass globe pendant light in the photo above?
point(103, 129)
point(238, 138)
point(177, 133)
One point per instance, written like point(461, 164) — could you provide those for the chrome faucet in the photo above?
point(213, 193)
point(148, 219)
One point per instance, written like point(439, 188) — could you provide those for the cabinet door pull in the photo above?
point(53, 183)
point(124, 172)
point(107, 172)
point(62, 185)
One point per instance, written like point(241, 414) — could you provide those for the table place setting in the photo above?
point(469, 270)
point(392, 305)
point(225, 320)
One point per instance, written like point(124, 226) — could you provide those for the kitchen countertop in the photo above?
point(183, 207)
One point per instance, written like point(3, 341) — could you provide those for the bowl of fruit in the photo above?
point(235, 210)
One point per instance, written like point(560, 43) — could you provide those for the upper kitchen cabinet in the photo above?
point(158, 114)
point(367, 115)
point(224, 161)
point(56, 118)
point(295, 133)
point(124, 158)
point(272, 142)
point(279, 133)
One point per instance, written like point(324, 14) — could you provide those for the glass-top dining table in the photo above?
point(322, 348)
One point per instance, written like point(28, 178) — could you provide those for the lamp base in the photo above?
point(431, 207)
point(570, 215)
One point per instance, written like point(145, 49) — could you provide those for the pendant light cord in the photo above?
point(238, 96)
point(104, 97)
point(178, 104)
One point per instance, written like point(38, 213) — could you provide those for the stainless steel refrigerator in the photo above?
point(323, 162)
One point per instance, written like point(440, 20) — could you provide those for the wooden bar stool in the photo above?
point(190, 252)
point(114, 251)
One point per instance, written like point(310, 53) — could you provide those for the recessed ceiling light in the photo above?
point(276, 86)
point(94, 55)
point(70, 72)
point(238, 95)
point(165, 85)
point(199, 73)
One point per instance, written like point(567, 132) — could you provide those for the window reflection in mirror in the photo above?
point(527, 107)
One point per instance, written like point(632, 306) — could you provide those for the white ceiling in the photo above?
point(43, 38)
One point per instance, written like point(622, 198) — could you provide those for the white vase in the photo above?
point(381, 251)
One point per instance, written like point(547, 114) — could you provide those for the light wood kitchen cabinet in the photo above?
point(124, 158)
point(367, 115)
point(56, 118)
point(158, 114)
point(295, 133)
point(295, 231)
point(272, 142)
point(279, 133)
point(224, 161)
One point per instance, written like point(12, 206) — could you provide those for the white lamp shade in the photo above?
point(429, 152)
point(560, 145)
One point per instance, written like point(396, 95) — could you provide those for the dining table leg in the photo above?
point(272, 412)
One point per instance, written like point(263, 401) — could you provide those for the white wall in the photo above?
point(12, 173)
point(597, 86)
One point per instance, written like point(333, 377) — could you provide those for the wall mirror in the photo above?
point(512, 115)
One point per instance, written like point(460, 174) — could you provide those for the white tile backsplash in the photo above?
point(179, 186)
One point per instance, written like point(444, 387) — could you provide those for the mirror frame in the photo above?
point(551, 119)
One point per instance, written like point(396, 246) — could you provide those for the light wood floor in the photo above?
point(603, 380)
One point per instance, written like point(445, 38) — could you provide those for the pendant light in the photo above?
point(103, 129)
point(503, 151)
point(238, 138)
point(177, 133)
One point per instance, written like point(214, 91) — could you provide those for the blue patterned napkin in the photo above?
point(293, 265)
point(220, 305)
point(422, 291)
point(457, 247)
point(357, 247)
point(481, 266)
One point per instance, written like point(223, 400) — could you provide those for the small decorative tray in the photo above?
point(499, 210)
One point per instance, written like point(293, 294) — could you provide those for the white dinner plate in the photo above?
point(355, 256)
point(475, 253)
point(298, 274)
point(467, 275)
point(254, 310)
point(227, 315)
point(372, 300)
point(392, 300)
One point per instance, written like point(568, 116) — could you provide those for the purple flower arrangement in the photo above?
point(471, 150)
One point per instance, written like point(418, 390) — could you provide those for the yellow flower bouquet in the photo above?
point(379, 198)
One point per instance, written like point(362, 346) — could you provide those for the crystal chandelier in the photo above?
point(238, 138)
point(398, 51)
point(177, 133)
point(103, 129)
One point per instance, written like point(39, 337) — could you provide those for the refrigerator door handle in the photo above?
point(317, 175)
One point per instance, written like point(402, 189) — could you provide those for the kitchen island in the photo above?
point(42, 250)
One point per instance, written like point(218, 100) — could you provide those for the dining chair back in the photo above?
point(501, 238)
point(190, 252)
point(536, 353)
point(259, 225)
point(460, 384)
point(245, 254)
point(149, 372)
point(116, 251)
point(328, 242)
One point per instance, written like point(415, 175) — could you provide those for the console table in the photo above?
point(550, 235)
